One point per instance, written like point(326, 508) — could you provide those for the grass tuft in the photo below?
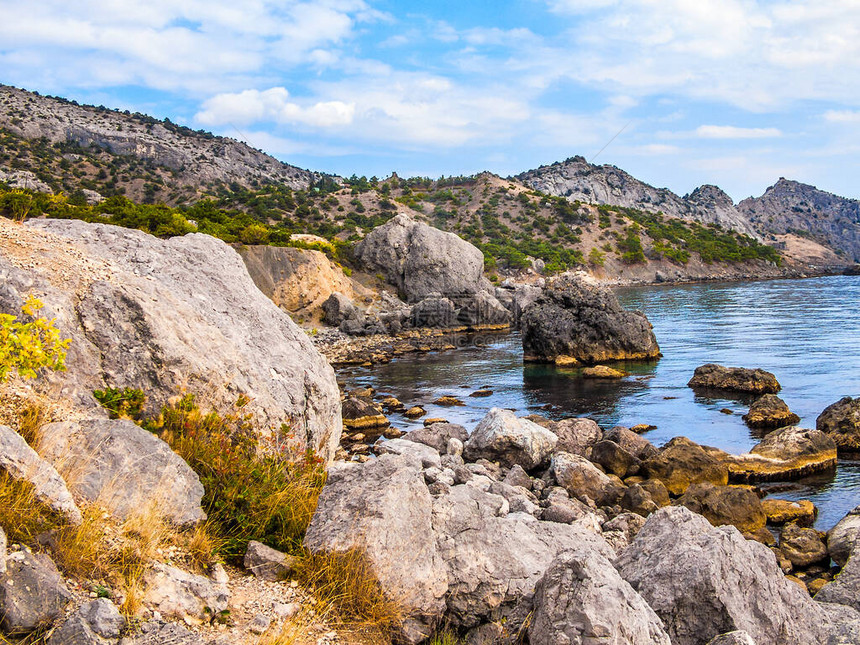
point(22, 515)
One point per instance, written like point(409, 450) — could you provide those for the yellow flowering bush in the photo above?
point(27, 347)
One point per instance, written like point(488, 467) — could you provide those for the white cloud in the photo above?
point(273, 105)
point(842, 116)
point(734, 132)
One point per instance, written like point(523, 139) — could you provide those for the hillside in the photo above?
point(69, 146)
point(129, 169)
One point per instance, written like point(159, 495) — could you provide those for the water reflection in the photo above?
point(804, 331)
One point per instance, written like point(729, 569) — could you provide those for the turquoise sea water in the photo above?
point(807, 332)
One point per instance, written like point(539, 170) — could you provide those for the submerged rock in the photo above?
point(735, 379)
point(841, 421)
point(770, 411)
point(577, 322)
point(602, 372)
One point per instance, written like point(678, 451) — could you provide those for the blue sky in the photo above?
point(731, 92)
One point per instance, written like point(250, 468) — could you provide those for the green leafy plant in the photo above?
point(126, 403)
point(29, 346)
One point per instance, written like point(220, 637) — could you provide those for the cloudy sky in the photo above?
point(677, 92)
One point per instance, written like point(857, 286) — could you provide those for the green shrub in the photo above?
point(126, 403)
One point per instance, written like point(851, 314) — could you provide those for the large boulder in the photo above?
point(704, 581)
point(575, 435)
point(841, 421)
point(576, 321)
point(421, 260)
point(434, 311)
point(168, 315)
point(338, 308)
point(682, 462)
point(735, 505)
point(842, 537)
point(501, 436)
point(633, 443)
point(32, 593)
point(735, 379)
point(20, 462)
point(787, 453)
point(845, 589)
point(770, 411)
point(124, 468)
point(582, 599)
point(383, 509)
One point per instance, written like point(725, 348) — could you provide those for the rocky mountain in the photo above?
point(576, 179)
point(792, 207)
point(191, 159)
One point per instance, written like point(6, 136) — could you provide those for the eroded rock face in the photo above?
point(384, 509)
point(578, 322)
point(735, 379)
point(21, 462)
point(682, 462)
point(841, 421)
point(502, 437)
point(582, 599)
point(161, 315)
point(770, 411)
point(842, 537)
point(124, 468)
point(704, 581)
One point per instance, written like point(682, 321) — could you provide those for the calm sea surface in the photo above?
point(807, 332)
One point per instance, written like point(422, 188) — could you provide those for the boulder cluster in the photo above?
point(563, 532)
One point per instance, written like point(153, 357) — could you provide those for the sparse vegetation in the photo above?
point(30, 343)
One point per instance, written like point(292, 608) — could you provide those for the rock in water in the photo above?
point(735, 379)
point(704, 581)
point(582, 599)
point(575, 322)
point(124, 468)
point(770, 411)
point(162, 315)
point(420, 260)
point(787, 453)
point(842, 422)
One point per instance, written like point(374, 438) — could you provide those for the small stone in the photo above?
point(415, 412)
point(639, 428)
point(448, 401)
point(260, 624)
point(602, 372)
point(267, 563)
point(481, 393)
point(285, 611)
point(218, 574)
point(431, 420)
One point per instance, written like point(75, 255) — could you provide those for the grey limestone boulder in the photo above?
point(576, 436)
point(841, 421)
point(845, 589)
point(420, 260)
point(186, 596)
point(704, 581)
point(582, 599)
point(124, 468)
point(501, 436)
point(383, 509)
point(155, 632)
point(163, 315)
point(95, 623)
point(842, 537)
point(437, 435)
point(429, 457)
point(32, 593)
point(338, 308)
point(21, 462)
point(267, 563)
point(583, 480)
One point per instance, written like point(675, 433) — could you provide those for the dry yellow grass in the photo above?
point(22, 516)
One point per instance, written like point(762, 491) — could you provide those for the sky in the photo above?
point(679, 93)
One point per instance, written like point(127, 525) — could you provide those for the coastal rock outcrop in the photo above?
point(704, 581)
point(787, 453)
point(582, 599)
point(682, 462)
point(168, 315)
point(841, 421)
point(575, 321)
point(735, 379)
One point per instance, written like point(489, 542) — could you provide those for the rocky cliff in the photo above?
point(192, 157)
point(576, 179)
point(792, 207)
